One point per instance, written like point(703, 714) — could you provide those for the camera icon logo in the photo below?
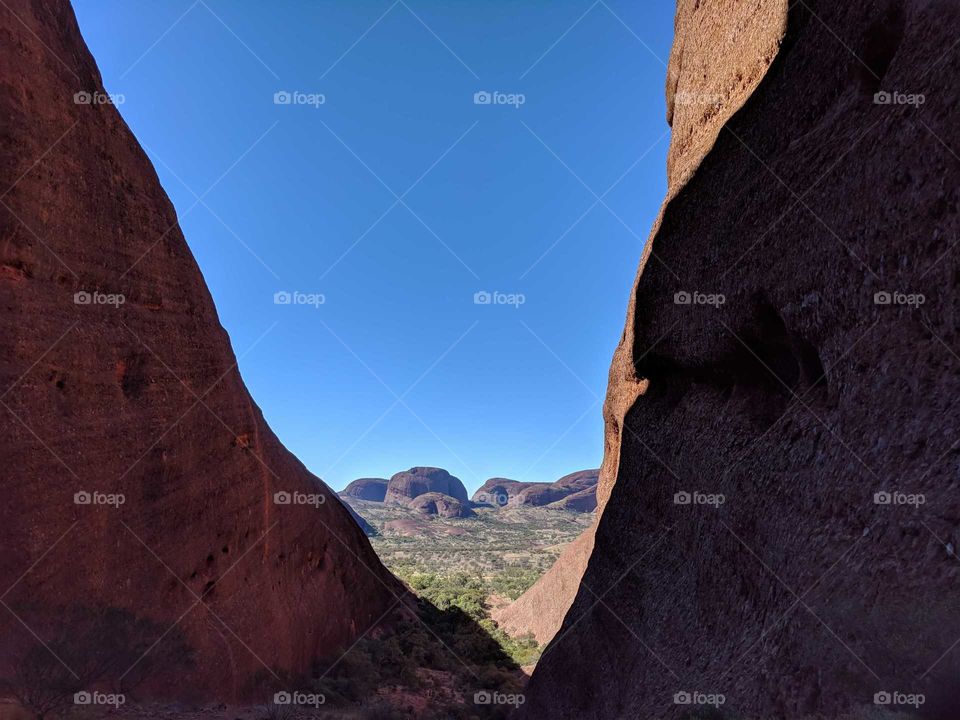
point(682, 498)
point(482, 298)
point(282, 698)
point(82, 498)
point(82, 98)
point(882, 298)
point(482, 97)
point(882, 698)
point(882, 98)
point(482, 697)
point(282, 97)
point(282, 497)
point(682, 697)
point(682, 298)
point(82, 298)
point(282, 297)
point(882, 498)
point(82, 698)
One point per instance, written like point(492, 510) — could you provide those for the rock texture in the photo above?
point(434, 503)
point(405, 486)
point(372, 489)
point(200, 565)
point(813, 395)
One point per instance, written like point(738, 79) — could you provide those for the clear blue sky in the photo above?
point(399, 367)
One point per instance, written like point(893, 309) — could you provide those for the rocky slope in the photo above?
point(781, 448)
point(145, 502)
point(542, 608)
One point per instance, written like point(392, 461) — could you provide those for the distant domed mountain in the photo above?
point(503, 491)
point(407, 485)
point(373, 489)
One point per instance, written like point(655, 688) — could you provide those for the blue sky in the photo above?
point(385, 190)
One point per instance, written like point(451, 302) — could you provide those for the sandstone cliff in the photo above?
point(144, 500)
point(781, 510)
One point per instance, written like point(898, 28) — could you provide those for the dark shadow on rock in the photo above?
point(420, 661)
point(90, 650)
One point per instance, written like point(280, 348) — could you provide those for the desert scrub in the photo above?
point(514, 581)
point(453, 595)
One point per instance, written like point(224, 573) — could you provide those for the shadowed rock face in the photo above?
point(812, 388)
point(141, 400)
point(373, 489)
point(434, 503)
point(407, 485)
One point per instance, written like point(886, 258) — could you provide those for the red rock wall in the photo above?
point(142, 399)
point(799, 398)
